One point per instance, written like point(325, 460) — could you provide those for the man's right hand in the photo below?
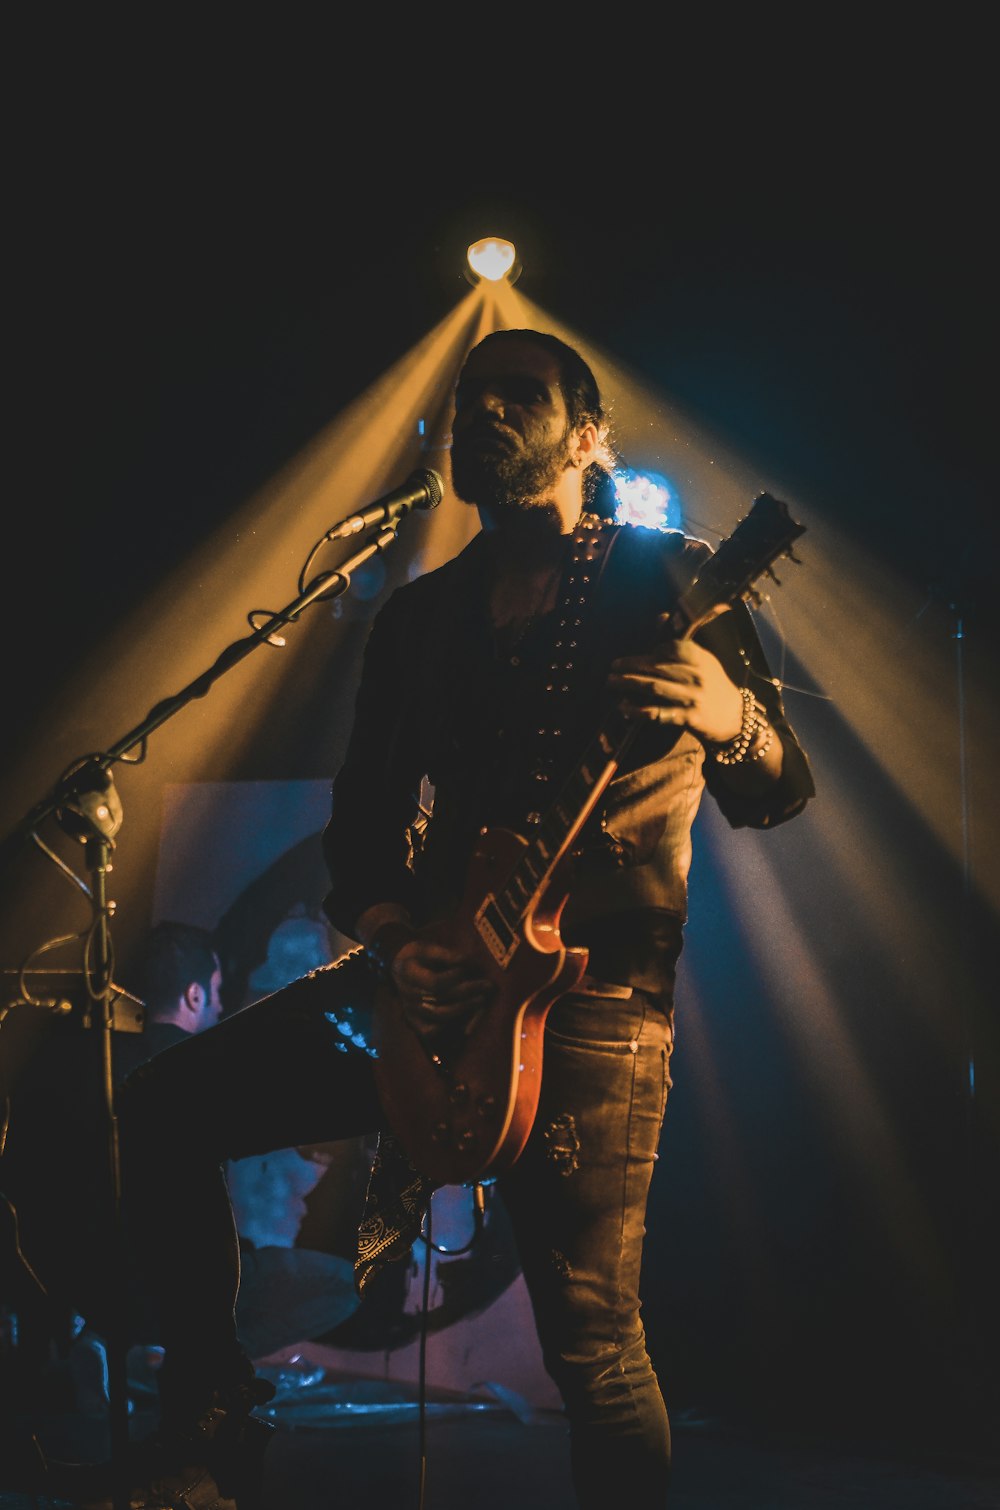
point(440, 987)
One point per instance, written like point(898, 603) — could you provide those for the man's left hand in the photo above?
point(679, 682)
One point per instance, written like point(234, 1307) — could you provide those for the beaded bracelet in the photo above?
point(764, 728)
point(385, 943)
point(753, 722)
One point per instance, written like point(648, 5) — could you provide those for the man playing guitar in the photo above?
point(488, 677)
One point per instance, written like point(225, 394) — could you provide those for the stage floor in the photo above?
point(358, 1445)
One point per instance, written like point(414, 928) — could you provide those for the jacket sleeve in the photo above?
point(376, 793)
point(733, 638)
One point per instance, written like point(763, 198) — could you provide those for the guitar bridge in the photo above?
point(499, 938)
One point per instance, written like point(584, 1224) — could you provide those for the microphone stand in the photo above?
point(86, 805)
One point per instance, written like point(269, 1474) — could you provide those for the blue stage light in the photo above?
point(645, 498)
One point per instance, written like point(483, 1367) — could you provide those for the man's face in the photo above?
point(510, 437)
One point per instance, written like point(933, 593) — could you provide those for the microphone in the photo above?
point(423, 489)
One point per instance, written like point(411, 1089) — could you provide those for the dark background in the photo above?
point(208, 266)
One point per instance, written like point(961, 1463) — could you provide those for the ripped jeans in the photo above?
point(577, 1202)
point(279, 1075)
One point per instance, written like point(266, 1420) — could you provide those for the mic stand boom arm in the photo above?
point(332, 584)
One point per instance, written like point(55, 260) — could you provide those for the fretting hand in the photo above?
point(679, 682)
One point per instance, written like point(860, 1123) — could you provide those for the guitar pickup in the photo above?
point(499, 939)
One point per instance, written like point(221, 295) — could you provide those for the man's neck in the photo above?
point(168, 1019)
point(527, 557)
point(530, 538)
point(518, 557)
point(557, 508)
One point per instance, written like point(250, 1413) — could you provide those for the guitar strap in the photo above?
point(559, 686)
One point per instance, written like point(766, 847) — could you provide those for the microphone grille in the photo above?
point(434, 483)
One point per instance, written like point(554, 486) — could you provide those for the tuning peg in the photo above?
point(791, 556)
point(773, 575)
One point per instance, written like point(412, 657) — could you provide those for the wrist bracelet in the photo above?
point(385, 943)
point(753, 722)
point(767, 739)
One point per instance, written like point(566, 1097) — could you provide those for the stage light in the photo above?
point(644, 498)
point(492, 259)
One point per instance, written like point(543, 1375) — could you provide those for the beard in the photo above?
point(490, 477)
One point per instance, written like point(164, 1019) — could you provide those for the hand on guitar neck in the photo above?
point(678, 682)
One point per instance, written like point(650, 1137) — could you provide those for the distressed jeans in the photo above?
point(278, 1075)
point(577, 1201)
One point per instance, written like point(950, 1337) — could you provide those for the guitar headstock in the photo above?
point(732, 572)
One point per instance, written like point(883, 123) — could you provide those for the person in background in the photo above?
point(178, 978)
point(57, 1155)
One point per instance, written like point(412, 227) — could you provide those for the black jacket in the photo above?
point(489, 740)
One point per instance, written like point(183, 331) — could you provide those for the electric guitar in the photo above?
point(462, 1103)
